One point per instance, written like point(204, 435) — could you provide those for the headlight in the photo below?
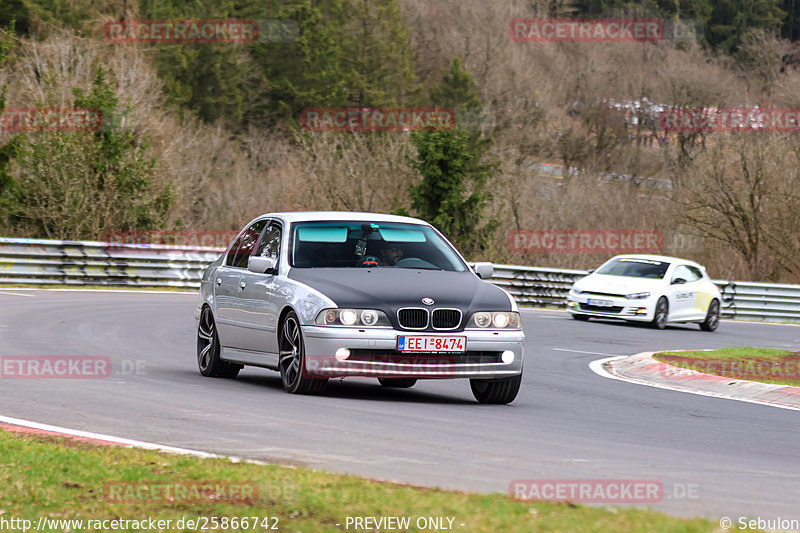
point(348, 317)
point(352, 317)
point(637, 295)
point(498, 319)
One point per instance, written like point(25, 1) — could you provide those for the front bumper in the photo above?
point(641, 310)
point(373, 353)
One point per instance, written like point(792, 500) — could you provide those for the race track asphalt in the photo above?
point(713, 456)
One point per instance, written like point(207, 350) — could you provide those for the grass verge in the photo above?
point(767, 365)
point(65, 479)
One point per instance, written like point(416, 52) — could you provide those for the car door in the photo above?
point(228, 288)
point(682, 292)
point(259, 306)
point(703, 295)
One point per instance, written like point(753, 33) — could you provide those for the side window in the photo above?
point(270, 245)
point(244, 245)
point(686, 273)
point(696, 274)
point(680, 272)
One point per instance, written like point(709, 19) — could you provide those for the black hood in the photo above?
point(389, 289)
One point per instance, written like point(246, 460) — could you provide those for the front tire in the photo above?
point(582, 318)
point(495, 391)
point(292, 360)
point(397, 383)
point(711, 323)
point(660, 318)
point(208, 359)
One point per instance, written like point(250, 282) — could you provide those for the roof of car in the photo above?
point(664, 258)
point(308, 216)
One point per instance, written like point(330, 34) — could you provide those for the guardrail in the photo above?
point(42, 262)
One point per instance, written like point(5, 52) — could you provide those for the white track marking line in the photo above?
point(590, 353)
point(597, 367)
point(121, 440)
point(17, 294)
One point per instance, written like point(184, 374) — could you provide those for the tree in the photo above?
point(11, 149)
point(731, 19)
point(213, 80)
point(379, 56)
point(742, 192)
point(82, 184)
point(348, 53)
point(452, 193)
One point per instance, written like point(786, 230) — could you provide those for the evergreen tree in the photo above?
point(731, 19)
point(452, 195)
point(379, 58)
point(213, 80)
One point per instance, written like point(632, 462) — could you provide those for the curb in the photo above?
point(643, 369)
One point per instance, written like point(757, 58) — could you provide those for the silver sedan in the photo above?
point(317, 295)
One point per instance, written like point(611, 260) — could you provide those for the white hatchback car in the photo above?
point(647, 288)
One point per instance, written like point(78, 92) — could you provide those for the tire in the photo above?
point(582, 318)
point(292, 359)
point(660, 318)
point(208, 360)
point(711, 323)
point(397, 383)
point(495, 391)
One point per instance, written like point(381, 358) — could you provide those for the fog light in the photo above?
point(507, 357)
point(641, 311)
point(342, 354)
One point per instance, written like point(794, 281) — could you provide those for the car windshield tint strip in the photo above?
point(402, 235)
point(312, 234)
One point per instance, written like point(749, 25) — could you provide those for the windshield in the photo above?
point(369, 244)
point(634, 268)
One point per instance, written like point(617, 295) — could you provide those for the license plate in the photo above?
point(601, 303)
point(408, 343)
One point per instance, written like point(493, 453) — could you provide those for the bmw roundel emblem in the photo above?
point(427, 301)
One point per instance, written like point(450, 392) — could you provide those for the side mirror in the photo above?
point(261, 265)
point(484, 270)
point(678, 281)
point(591, 271)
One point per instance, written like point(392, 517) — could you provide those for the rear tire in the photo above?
point(496, 391)
point(660, 318)
point(208, 359)
point(397, 383)
point(711, 323)
point(292, 360)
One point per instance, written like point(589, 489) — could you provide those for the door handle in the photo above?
point(241, 285)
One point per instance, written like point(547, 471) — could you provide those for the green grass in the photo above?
point(767, 365)
point(66, 479)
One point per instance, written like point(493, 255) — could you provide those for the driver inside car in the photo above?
point(391, 254)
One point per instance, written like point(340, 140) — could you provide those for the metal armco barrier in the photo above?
point(41, 262)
